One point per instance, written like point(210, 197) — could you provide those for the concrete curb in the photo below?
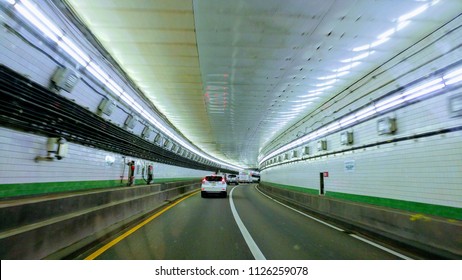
point(57, 224)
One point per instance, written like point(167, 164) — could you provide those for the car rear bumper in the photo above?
point(214, 189)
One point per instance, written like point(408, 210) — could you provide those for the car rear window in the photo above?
point(213, 178)
point(232, 176)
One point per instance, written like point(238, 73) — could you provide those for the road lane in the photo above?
point(195, 229)
point(281, 233)
point(204, 228)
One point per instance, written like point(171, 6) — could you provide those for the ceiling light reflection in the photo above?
point(319, 90)
point(358, 57)
point(326, 83)
point(414, 13)
point(340, 74)
point(348, 67)
point(305, 100)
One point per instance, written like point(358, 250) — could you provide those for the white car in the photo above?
point(214, 184)
point(232, 179)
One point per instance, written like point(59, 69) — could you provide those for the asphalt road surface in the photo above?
point(245, 225)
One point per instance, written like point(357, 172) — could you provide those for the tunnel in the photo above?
point(313, 130)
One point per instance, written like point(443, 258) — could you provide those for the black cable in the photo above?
point(32, 108)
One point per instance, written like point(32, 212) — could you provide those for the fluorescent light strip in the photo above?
point(454, 80)
point(32, 14)
point(424, 92)
point(32, 8)
point(453, 77)
point(344, 122)
point(422, 86)
point(72, 53)
point(452, 74)
point(388, 103)
point(97, 72)
point(40, 26)
point(391, 102)
point(364, 113)
point(79, 55)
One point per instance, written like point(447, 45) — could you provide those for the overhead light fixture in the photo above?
point(346, 121)
point(453, 77)
point(423, 89)
point(74, 51)
point(389, 103)
point(364, 113)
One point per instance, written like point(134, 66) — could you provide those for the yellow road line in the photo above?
point(135, 228)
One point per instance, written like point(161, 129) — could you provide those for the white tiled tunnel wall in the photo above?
point(427, 169)
point(18, 165)
point(431, 54)
point(25, 59)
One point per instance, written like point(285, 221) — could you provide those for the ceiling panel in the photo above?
point(231, 75)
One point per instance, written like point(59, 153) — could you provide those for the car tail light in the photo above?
point(204, 181)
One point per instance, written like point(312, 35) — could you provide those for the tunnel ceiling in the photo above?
point(233, 75)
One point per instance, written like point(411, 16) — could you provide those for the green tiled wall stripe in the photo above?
point(293, 188)
point(417, 207)
point(15, 190)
